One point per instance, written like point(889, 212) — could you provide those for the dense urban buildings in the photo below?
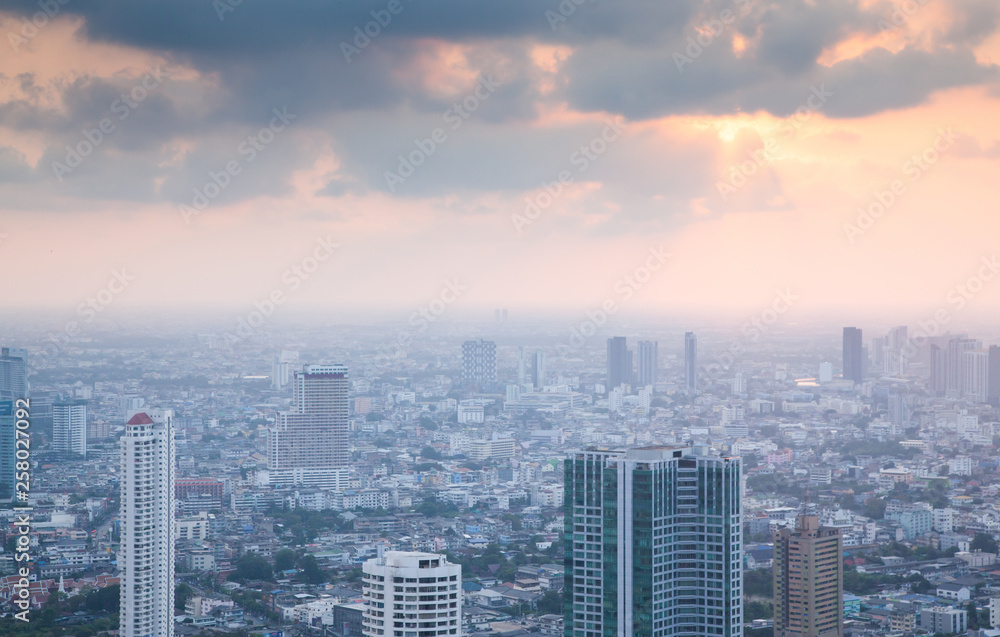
point(412, 593)
point(146, 554)
point(808, 580)
point(436, 465)
point(653, 543)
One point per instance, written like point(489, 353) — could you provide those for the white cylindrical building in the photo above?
point(146, 556)
point(412, 594)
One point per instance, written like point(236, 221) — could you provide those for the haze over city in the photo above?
point(507, 318)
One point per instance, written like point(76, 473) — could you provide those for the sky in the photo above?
point(692, 156)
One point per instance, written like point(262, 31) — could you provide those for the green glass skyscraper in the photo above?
point(653, 544)
point(8, 435)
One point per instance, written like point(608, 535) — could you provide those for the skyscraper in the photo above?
point(646, 352)
point(312, 437)
point(894, 361)
point(281, 368)
point(854, 358)
point(522, 367)
point(538, 370)
point(13, 385)
point(619, 362)
point(993, 393)
point(69, 427)
point(899, 408)
point(690, 362)
point(975, 375)
point(146, 555)
point(653, 543)
point(808, 580)
point(391, 584)
point(479, 363)
point(957, 347)
point(938, 382)
point(8, 449)
point(13, 373)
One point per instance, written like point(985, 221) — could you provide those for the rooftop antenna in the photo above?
point(805, 508)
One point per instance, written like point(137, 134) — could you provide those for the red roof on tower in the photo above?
point(140, 419)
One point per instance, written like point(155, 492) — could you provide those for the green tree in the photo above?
point(973, 613)
point(758, 583)
point(428, 423)
point(551, 603)
point(310, 571)
point(866, 584)
point(757, 610)
point(430, 453)
point(874, 508)
point(284, 560)
point(252, 566)
point(104, 599)
point(983, 542)
point(182, 592)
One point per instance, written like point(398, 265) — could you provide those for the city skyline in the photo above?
point(567, 318)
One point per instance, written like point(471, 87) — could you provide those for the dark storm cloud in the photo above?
point(774, 74)
point(86, 101)
point(194, 27)
point(291, 54)
point(975, 20)
point(270, 53)
point(794, 34)
point(13, 167)
point(880, 80)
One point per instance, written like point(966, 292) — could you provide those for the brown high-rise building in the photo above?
point(808, 580)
